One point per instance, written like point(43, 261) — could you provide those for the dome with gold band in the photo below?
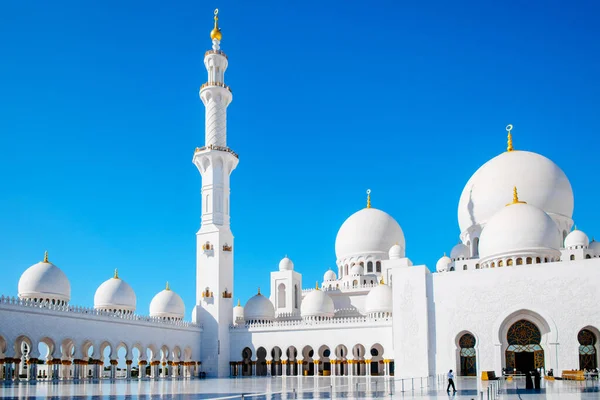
point(216, 32)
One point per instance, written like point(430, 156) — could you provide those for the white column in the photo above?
point(284, 362)
point(128, 373)
point(269, 365)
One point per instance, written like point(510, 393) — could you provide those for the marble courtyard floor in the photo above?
point(292, 387)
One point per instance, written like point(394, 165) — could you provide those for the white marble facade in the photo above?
point(521, 290)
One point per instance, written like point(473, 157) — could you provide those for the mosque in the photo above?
point(520, 291)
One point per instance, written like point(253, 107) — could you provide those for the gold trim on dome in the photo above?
point(516, 198)
point(509, 146)
point(216, 32)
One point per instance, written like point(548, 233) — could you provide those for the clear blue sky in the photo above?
point(99, 117)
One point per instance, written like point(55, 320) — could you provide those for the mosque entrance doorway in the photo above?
point(524, 352)
point(468, 355)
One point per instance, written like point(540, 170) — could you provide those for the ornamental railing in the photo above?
point(127, 316)
point(220, 84)
point(320, 322)
point(219, 52)
point(219, 148)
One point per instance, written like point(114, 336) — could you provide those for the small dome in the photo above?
point(317, 304)
point(45, 281)
point(357, 270)
point(576, 239)
point(368, 232)
point(286, 264)
point(519, 229)
point(443, 264)
point(594, 248)
point(460, 251)
point(329, 276)
point(238, 313)
point(115, 294)
point(395, 252)
point(259, 308)
point(167, 304)
point(379, 300)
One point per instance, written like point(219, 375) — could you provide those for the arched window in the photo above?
point(519, 261)
point(501, 263)
point(572, 257)
point(465, 267)
point(369, 266)
point(378, 266)
point(476, 247)
point(296, 296)
point(355, 283)
point(281, 296)
point(477, 266)
point(509, 262)
point(538, 260)
point(587, 349)
point(468, 358)
point(587, 256)
point(493, 265)
point(529, 260)
point(346, 270)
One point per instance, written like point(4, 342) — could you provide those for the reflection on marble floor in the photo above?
point(294, 387)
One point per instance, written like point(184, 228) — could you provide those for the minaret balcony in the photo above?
point(219, 148)
point(219, 52)
point(219, 84)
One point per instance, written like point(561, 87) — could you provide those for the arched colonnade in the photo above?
point(340, 360)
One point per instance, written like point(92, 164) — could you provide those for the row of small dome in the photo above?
point(316, 304)
point(523, 229)
point(44, 281)
point(395, 252)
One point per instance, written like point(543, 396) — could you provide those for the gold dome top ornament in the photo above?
point(368, 198)
point(46, 257)
point(216, 32)
point(167, 287)
point(516, 198)
point(509, 146)
point(116, 275)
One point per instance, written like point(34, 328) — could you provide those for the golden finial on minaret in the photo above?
point(46, 257)
point(368, 198)
point(216, 32)
point(317, 286)
point(116, 276)
point(381, 282)
point(168, 287)
point(239, 305)
point(516, 198)
point(509, 146)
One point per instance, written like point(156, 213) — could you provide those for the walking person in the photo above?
point(451, 382)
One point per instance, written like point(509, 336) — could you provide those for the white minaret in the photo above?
point(214, 240)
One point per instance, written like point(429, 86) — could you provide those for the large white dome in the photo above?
point(115, 294)
point(167, 304)
point(541, 182)
point(317, 304)
point(368, 232)
point(519, 229)
point(379, 300)
point(259, 308)
point(45, 281)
